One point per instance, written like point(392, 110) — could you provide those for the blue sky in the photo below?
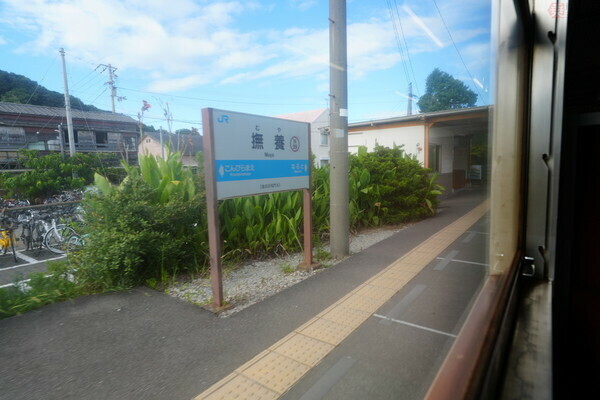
point(262, 57)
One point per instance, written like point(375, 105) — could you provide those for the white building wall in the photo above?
point(411, 137)
point(321, 152)
point(149, 146)
point(447, 157)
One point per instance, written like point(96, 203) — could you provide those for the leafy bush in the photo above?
point(145, 229)
point(152, 226)
point(50, 174)
point(386, 186)
point(133, 238)
point(394, 187)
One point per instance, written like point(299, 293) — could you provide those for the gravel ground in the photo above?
point(254, 281)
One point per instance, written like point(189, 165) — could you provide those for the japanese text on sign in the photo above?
point(255, 154)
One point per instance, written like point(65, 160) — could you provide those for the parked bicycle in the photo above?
point(57, 237)
point(32, 231)
point(7, 237)
point(75, 243)
point(38, 233)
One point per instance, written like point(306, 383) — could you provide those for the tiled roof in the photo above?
point(45, 111)
point(422, 117)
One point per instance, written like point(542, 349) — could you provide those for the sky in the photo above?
point(265, 57)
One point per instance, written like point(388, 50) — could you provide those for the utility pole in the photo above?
point(338, 111)
point(61, 141)
point(162, 145)
point(68, 107)
point(111, 83)
point(410, 99)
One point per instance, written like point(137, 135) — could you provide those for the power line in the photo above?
point(399, 44)
point(215, 100)
point(81, 80)
point(407, 52)
point(89, 83)
point(111, 83)
point(96, 98)
point(458, 51)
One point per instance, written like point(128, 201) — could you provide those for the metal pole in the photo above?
point(61, 140)
point(162, 146)
point(111, 83)
point(338, 80)
point(68, 106)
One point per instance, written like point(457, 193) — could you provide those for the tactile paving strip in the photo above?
point(276, 372)
point(272, 372)
point(375, 292)
point(363, 303)
point(304, 349)
point(238, 387)
point(327, 331)
point(346, 316)
point(388, 282)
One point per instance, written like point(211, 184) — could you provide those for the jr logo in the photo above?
point(223, 119)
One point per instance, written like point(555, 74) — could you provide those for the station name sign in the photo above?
point(253, 154)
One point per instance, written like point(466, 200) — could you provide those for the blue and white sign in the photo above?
point(255, 154)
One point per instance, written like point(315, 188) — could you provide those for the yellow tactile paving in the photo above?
point(327, 331)
point(376, 292)
point(346, 316)
point(407, 267)
point(363, 303)
point(399, 273)
point(387, 282)
point(272, 372)
point(276, 372)
point(238, 387)
point(419, 257)
point(304, 349)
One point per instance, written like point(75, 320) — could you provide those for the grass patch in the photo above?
point(40, 289)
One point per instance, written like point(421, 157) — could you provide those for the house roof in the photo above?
point(60, 112)
point(187, 144)
point(304, 116)
point(437, 115)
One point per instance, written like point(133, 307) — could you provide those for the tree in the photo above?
point(443, 92)
point(49, 174)
point(16, 88)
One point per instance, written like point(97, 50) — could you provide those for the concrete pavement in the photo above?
point(143, 344)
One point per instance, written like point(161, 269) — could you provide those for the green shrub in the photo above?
point(398, 188)
point(133, 238)
point(153, 225)
point(50, 174)
point(148, 228)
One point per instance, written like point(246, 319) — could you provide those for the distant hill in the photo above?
point(16, 88)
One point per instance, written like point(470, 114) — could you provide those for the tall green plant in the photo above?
point(167, 177)
point(148, 228)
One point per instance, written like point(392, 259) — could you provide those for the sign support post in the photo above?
point(247, 155)
point(308, 264)
point(214, 230)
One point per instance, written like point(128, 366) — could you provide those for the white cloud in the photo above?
point(303, 5)
point(2, 41)
point(423, 26)
point(180, 44)
point(176, 84)
point(477, 55)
